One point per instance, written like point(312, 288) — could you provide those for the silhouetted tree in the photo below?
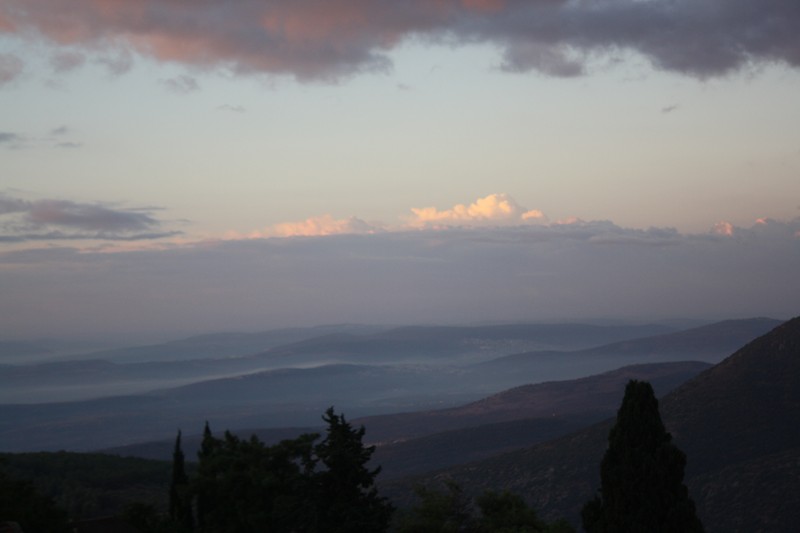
point(348, 499)
point(641, 474)
point(180, 502)
point(245, 486)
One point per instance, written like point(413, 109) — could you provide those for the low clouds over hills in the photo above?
point(458, 273)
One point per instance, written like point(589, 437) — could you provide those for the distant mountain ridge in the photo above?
point(708, 343)
point(141, 369)
point(598, 393)
point(527, 410)
point(271, 398)
point(417, 344)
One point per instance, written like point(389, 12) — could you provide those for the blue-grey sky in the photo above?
point(185, 166)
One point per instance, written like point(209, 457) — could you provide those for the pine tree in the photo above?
point(180, 503)
point(641, 474)
point(348, 501)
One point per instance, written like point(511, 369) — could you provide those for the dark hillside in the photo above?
point(91, 484)
point(737, 423)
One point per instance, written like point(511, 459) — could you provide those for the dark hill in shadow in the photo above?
point(737, 423)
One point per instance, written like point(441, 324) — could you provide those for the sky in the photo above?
point(171, 167)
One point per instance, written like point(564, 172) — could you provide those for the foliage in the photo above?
point(348, 500)
point(21, 503)
point(180, 499)
point(641, 474)
point(492, 512)
point(296, 485)
point(438, 512)
point(146, 518)
point(88, 485)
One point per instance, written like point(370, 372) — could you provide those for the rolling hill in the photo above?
point(737, 423)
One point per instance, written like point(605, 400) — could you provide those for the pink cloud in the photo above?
point(723, 228)
point(328, 39)
point(491, 210)
point(10, 68)
point(311, 227)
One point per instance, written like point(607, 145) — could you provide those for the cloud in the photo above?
point(527, 272)
point(324, 39)
point(182, 84)
point(118, 64)
point(722, 228)
point(493, 209)
point(68, 144)
point(9, 137)
point(68, 61)
point(61, 130)
point(23, 220)
point(232, 108)
point(10, 65)
point(315, 227)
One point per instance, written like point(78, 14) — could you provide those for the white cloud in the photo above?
point(312, 227)
point(723, 228)
point(489, 211)
point(494, 209)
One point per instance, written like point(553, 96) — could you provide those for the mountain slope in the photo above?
point(737, 423)
point(593, 394)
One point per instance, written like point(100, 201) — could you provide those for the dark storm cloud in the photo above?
point(328, 39)
point(22, 220)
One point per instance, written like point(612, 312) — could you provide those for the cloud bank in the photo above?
point(492, 210)
point(52, 220)
point(572, 271)
point(329, 39)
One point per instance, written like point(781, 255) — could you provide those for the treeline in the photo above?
point(243, 485)
point(313, 484)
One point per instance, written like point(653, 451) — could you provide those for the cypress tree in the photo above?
point(206, 471)
point(180, 504)
point(641, 474)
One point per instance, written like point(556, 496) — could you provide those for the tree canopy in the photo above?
point(452, 511)
point(641, 474)
point(20, 503)
point(243, 485)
